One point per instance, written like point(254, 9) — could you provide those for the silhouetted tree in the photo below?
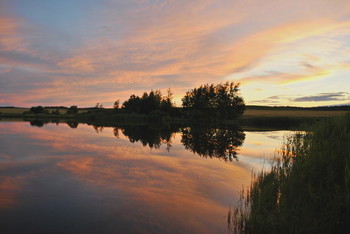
point(37, 109)
point(166, 104)
point(153, 101)
point(116, 104)
point(72, 110)
point(219, 101)
point(99, 105)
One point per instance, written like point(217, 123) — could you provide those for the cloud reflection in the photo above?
point(172, 187)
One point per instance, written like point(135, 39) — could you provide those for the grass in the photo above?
point(20, 111)
point(262, 117)
point(250, 113)
point(308, 188)
point(16, 110)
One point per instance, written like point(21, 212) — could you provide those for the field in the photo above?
point(254, 116)
point(251, 113)
point(20, 111)
point(16, 110)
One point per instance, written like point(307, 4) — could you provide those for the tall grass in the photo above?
point(308, 188)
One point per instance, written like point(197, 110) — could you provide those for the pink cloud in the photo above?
point(174, 44)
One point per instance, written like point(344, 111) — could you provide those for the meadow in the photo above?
point(255, 117)
point(250, 112)
point(20, 111)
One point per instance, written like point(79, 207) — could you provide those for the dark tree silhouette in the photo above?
point(116, 104)
point(37, 109)
point(99, 105)
point(218, 101)
point(153, 101)
point(72, 110)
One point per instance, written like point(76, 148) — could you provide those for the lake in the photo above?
point(70, 178)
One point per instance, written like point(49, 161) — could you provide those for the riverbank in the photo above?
point(262, 116)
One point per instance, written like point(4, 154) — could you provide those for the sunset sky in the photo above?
point(80, 52)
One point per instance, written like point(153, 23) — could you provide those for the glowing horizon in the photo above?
point(83, 52)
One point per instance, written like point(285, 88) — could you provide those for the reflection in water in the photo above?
point(72, 124)
point(206, 142)
point(213, 142)
point(37, 123)
point(153, 136)
point(65, 181)
point(40, 122)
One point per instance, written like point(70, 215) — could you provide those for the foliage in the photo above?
point(37, 109)
point(148, 103)
point(116, 104)
point(219, 101)
point(99, 105)
point(56, 112)
point(307, 189)
point(72, 110)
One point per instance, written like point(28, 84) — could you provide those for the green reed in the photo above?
point(307, 189)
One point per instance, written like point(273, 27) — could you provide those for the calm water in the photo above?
point(58, 179)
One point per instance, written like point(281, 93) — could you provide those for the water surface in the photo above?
point(70, 179)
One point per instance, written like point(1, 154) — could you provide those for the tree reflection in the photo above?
point(72, 124)
point(218, 142)
point(98, 129)
point(152, 136)
point(206, 142)
point(37, 123)
point(213, 142)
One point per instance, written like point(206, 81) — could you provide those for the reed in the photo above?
point(307, 189)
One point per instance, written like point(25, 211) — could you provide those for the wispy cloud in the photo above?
point(339, 96)
point(124, 47)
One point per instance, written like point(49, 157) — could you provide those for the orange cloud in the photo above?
point(177, 45)
point(178, 48)
point(9, 38)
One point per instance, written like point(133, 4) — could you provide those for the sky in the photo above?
point(80, 52)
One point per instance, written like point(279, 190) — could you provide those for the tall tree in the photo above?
point(219, 101)
point(116, 104)
point(148, 102)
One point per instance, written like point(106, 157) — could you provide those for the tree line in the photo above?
point(220, 101)
point(217, 101)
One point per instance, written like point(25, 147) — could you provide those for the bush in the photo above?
point(219, 101)
point(56, 112)
point(72, 110)
point(37, 109)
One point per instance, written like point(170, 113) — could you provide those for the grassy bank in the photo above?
point(307, 189)
point(261, 116)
